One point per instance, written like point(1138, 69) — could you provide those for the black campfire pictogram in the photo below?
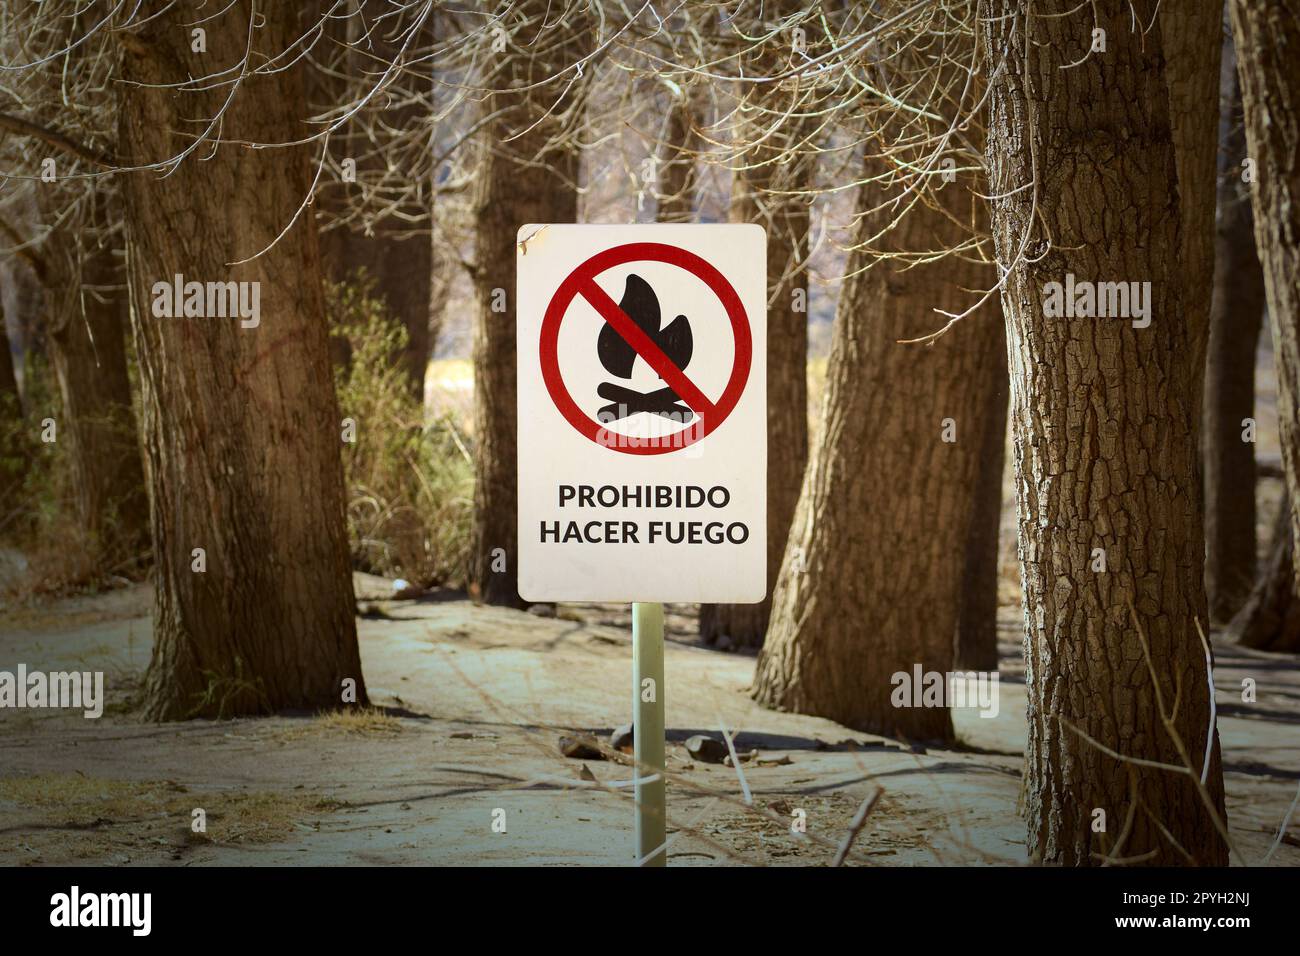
point(641, 305)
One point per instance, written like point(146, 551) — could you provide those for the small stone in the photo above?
point(542, 610)
point(744, 758)
point(586, 774)
point(580, 748)
point(707, 749)
point(724, 642)
point(404, 590)
point(621, 739)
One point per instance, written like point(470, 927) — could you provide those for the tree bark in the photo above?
point(1267, 39)
point(531, 178)
point(1104, 418)
point(885, 495)
point(1235, 318)
point(761, 193)
point(241, 424)
point(87, 306)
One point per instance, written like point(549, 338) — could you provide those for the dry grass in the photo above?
point(60, 807)
point(355, 722)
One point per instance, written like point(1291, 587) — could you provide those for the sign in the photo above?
point(642, 395)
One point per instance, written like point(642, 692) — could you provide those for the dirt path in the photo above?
point(475, 700)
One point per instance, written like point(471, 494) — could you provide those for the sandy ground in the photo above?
point(474, 702)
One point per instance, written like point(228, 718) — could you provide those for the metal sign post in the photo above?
point(648, 732)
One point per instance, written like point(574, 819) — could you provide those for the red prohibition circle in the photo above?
point(582, 282)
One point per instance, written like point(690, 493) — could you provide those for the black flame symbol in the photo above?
point(641, 305)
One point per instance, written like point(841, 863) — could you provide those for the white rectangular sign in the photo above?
point(642, 377)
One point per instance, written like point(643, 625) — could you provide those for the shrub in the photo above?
point(409, 482)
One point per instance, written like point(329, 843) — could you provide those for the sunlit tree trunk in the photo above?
point(871, 583)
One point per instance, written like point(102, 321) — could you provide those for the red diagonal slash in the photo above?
point(646, 348)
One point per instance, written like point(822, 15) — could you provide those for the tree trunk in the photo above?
point(1104, 418)
point(1267, 39)
point(676, 176)
point(761, 193)
point(87, 303)
point(400, 270)
point(1269, 620)
point(532, 178)
point(888, 490)
point(23, 292)
point(1235, 318)
point(444, 258)
point(84, 304)
point(977, 623)
point(15, 444)
point(241, 424)
point(8, 380)
point(442, 273)
point(393, 252)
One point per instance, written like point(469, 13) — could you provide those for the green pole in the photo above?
point(648, 731)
